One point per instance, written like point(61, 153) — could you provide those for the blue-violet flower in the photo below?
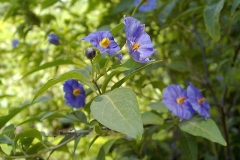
point(104, 41)
point(74, 93)
point(15, 43)
point(139, 43)
point(198, 102)
point(148, 5)
point(53, 38)
point(175, 99)
point(119, 57)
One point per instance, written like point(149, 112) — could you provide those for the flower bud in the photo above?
point(52, 38)
point(90, 53)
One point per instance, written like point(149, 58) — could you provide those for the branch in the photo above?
point(76, 134)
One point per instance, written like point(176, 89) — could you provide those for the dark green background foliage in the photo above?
point(196, 41)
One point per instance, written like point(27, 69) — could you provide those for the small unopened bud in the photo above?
point(90, 53)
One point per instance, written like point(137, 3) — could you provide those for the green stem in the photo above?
point(136, 8)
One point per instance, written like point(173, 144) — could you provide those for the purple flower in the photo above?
point(52, 38)
point(104, 41)
point(139, 43)
point(119, 56)
point(74, 93)
point(15, 43)
point(148, 5)
point(198, 102)
point(175, 99)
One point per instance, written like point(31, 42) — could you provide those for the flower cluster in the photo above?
point(184, 103)
point(138, 41)
point(74, 93)
point(148, 5)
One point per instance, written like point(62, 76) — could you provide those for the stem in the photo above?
point(75, 135)
point(136, 8)
point(94, 82)
point(207, 83)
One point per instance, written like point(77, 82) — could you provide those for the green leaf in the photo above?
point(151, 118)
point(166, 11)
point(127, 65)
point(81, 75)
point(91, 143)
point(54, 114)
point(47, 3)
point(13, 112)
point(234, 6)
point(105, 149)
point(189, 145)
point(76, 141)
point(48, 65)
point(107, 80)
point(158, 106)
point(116, 29)
point(205, 128)
point(27, 133)
point(7, 135)
point(118, 110)
point(211, 18)
point(132, 73)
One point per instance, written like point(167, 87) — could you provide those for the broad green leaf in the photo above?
point(234, 6)
point(205, 128)
point(158, 106)
point(211, 18)
point(81, 75)
point(180, 66)
point(27, 133)
point(189, 145)
point(105, 149)
point(48, 65)
point(35, 148)
point(151, 118)
point(116, 29)
point(132, 73)
point(118, 110)
point(13, 112)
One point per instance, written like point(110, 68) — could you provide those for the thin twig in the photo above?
point(75, 135)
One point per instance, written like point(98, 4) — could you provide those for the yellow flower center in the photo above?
point(201, 100)
point(135, 46)
point(76, 92)
point(104, 42)
point(181, 100)
point(145, 3)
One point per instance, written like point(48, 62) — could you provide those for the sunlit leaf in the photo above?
point(205, 128)
point(47, 3)
point(14, 111)
point(189, 145)
point(48, 65)
point(27, 133)
point(81, 75)
point(211, 18)
point(118, 110)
